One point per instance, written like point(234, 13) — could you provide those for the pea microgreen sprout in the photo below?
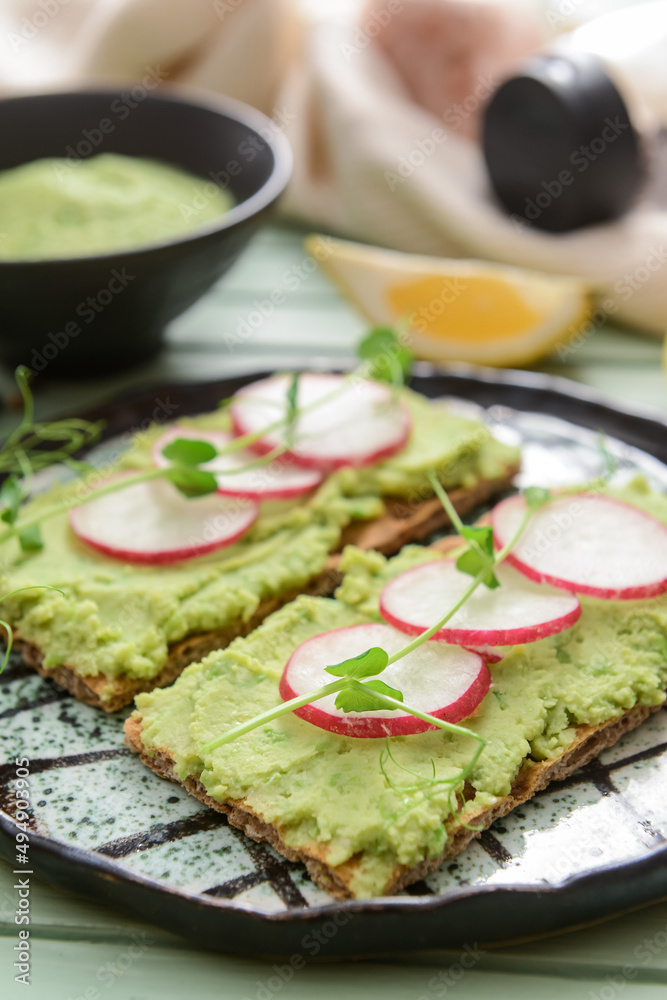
point(353, 694)
point(30, 447)
point(186, 454)
point(423, 784)
point(35, 445)
point(292, 410)
point(11, 497)
point(479, 552)
point(387, 359)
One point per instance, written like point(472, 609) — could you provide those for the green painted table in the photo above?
point(80, 950)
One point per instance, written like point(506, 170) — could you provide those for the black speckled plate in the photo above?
point(584, 849)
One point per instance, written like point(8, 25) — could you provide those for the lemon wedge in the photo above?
point(458, 310)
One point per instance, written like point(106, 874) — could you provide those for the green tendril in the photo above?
point(425, 781)
point(36, 445)
point(457, 815)
point(8, 647)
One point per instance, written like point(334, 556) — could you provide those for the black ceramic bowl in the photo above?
point(97, 314)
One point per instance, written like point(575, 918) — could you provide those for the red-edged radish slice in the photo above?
point(152, 523)
point(445, 681)
point(516, 611)
point(589, 544)
point(345, 422)
point(490, 654)
point(282, 479)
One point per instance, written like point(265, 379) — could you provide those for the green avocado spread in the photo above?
point(321, 788)
point(61, 208)
point(117, 619)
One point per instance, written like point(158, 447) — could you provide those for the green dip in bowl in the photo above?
point(56, 208)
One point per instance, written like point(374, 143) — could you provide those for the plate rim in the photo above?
point(106, 866)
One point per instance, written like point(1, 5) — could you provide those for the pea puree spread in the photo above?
point(118, 620)
point(319, 787)
point(54, 208)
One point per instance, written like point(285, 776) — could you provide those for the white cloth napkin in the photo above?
point(370, 163)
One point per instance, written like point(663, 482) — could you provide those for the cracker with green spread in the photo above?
point(363, 829)
point(118, 629)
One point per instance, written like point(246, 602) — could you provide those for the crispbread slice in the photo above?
point(401, 523)
point(532, 777)
point(114, 693)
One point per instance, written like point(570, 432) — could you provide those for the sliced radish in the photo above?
point(282, 479)
point(490, 654)
point(345, 422)
point(587, 543)
point(151, 522)
point(445, 681)
point(516, 611)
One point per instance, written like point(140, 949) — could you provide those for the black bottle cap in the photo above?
point(559, 145)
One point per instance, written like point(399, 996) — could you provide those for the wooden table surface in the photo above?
point(81, 950)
